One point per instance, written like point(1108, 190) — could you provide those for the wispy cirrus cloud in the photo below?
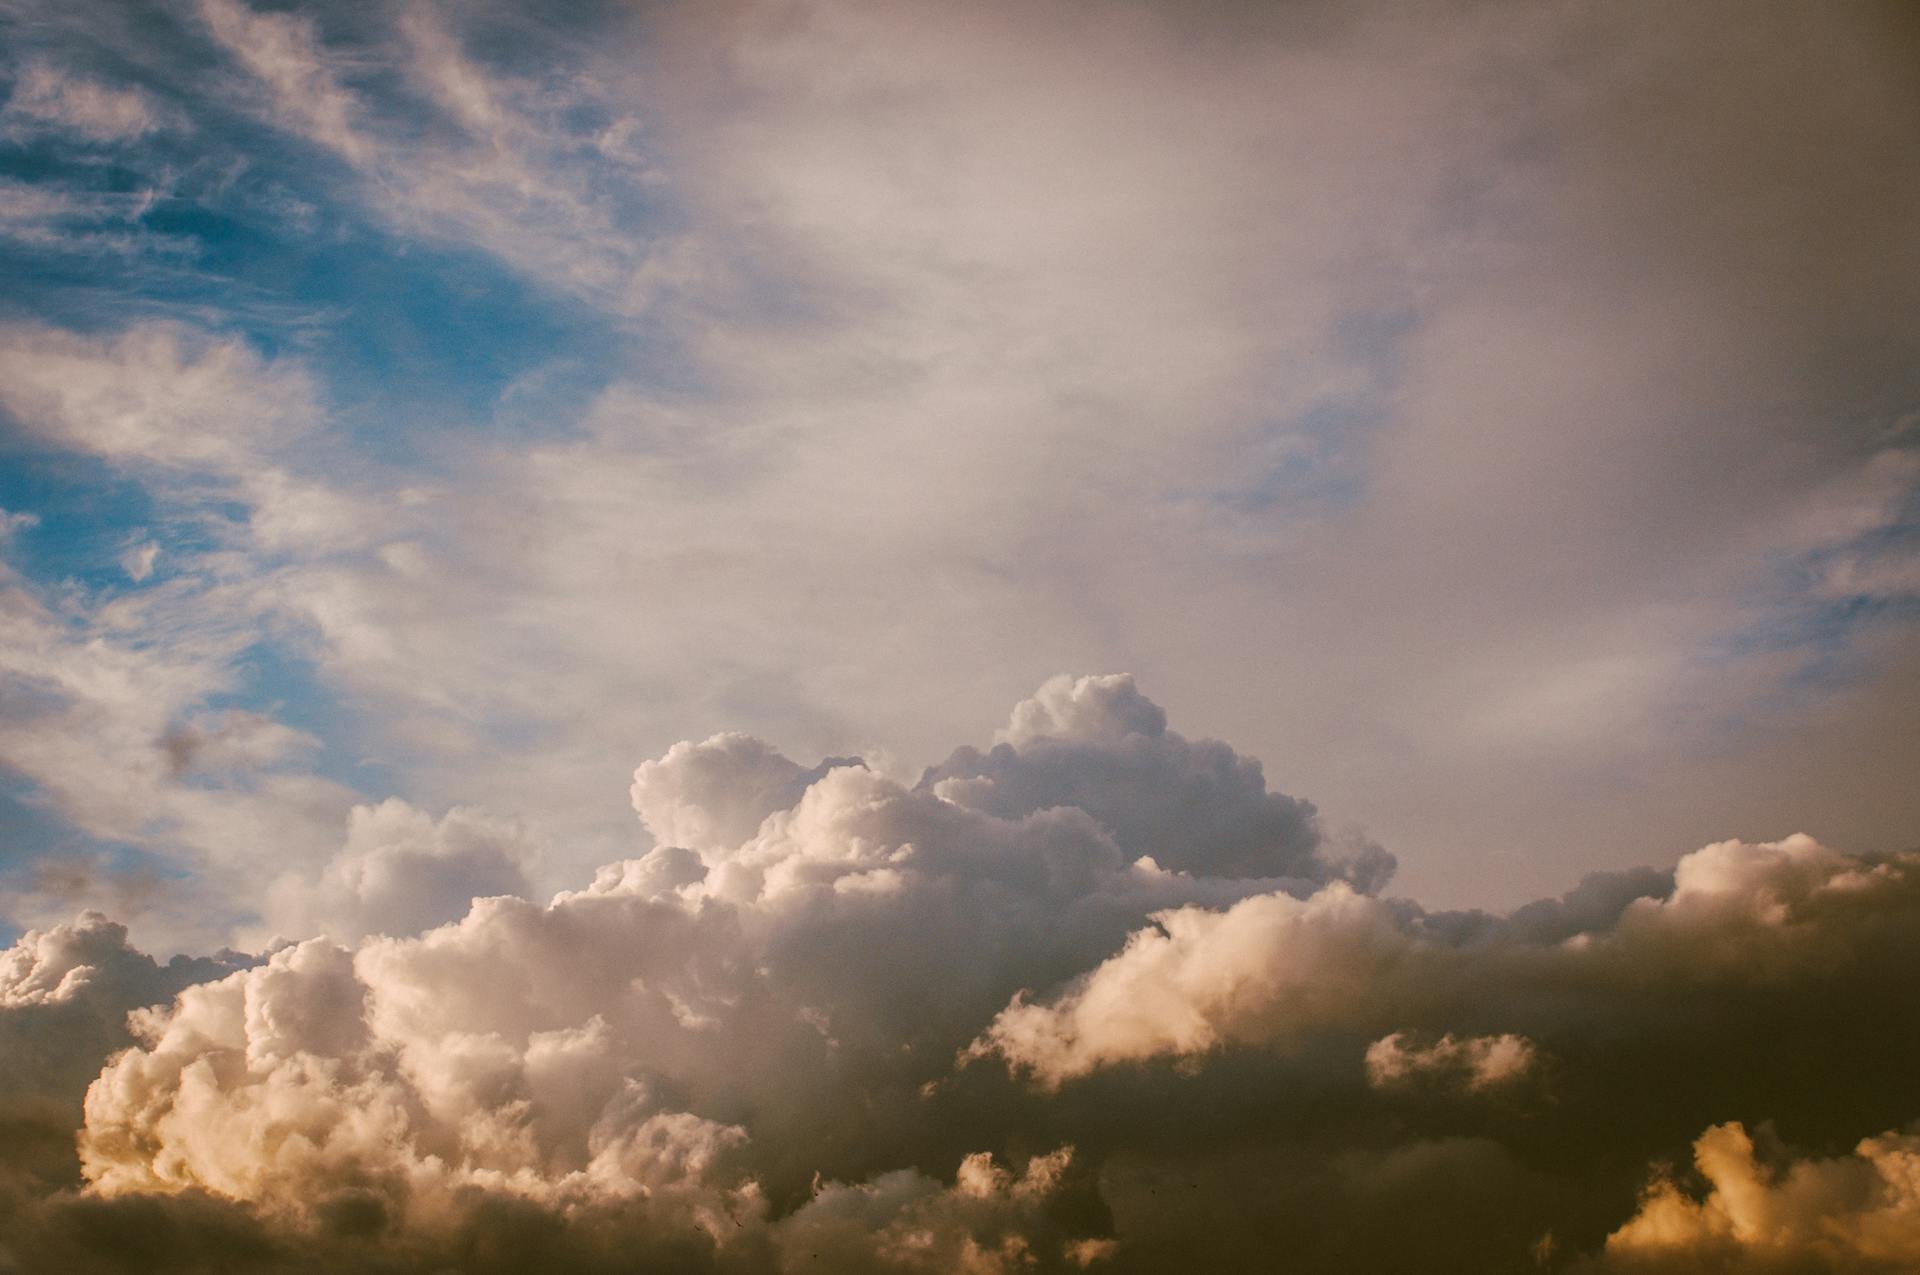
point(46, 97)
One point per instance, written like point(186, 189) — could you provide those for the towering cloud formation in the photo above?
point(1084, 998)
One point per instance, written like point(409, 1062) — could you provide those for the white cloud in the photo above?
point(157, 393)
point(50, 967)
point(283, 50)
point(401, 872)
point(1268, 967)
point(711, 797)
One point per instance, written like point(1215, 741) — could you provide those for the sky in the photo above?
point(808, 634)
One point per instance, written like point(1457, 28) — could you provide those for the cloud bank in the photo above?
point(982, 1022)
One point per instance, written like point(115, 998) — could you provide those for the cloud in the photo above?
point(401, 872)
point(1175, 409)
point(282, 1086)
point(1097, 744)
point(1272, 970)
point(506, 165)
point(141, 684)
point(159, 393)
point(1475, 1063)
point(44, 96)
point(713, 796)
point(1215, 419)
point(782, 1046)
point(107, 720)
point(990, 1220)
point(1496, 417)
point(138, 561)
point(1858, 1212)
point(65, 992)
point(830, 918)
point(53, 967)
point(283, 51)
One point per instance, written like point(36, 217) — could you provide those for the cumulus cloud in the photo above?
point(860, 1022)
point(401, 872)
point(711, 797)
point(1273, 968)
point(1857, 1212)
point(828, 928)
point(1476, 1063)
point(65, 992)
point(1265, 968)
point(52, 967)
point(1097, 744)
point(310, 1090)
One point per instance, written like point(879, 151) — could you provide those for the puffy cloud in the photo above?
point(991, 1220)
point(401, 872)
point(65, 992)
point(271, 1086)
point(711, 797)
point(1004, 338)
point(52, 967)
point(1858, 1212)
point(830, 932)
point(1272, 969)
point(1475, 1063)
point(768, 1050)
point(310, 1090)
point(1098, 744)
point(1267, 967)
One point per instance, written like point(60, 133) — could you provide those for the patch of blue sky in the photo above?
point(1314, 461)
point(87, 515)
point(272, 679)
point(255, 232)
point(1816, 609)
point(436, 338)
point(1304, 463)
point(403, 337)
point(41, 853)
